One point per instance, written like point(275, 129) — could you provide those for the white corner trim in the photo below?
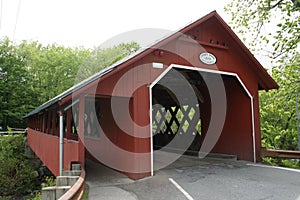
point(151, 136)
point(209, 71)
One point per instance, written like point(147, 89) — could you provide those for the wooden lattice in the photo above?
point(75, 118)
point(92, 118)
point(176, 120)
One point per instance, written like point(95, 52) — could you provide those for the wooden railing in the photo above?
point(273, 153)
point(77, 190)
point(13, 131)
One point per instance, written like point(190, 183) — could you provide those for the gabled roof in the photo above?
point(265, 80)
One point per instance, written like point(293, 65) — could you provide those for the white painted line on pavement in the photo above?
point(187, 195)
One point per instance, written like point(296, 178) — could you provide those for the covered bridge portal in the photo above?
point(193, 91)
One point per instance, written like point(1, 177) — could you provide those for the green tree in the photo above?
point(101, 58)
point(278, 107)
point(271, 28)
point(53, 68)
point(14, 89)
point(32, 73)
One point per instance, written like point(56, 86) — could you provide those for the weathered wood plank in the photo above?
point(274, 153)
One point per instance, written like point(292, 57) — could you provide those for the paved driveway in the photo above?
point(194, 178)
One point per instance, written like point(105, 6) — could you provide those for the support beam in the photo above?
point(81, 154)
point(61, 142)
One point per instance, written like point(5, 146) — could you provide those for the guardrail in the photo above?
point(76, 191)
point(273, 153)
point(13, 131)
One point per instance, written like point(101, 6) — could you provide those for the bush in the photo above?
point(290, 163)
point(16, 173)
point(49, 181)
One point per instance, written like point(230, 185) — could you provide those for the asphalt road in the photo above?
point(194, 178)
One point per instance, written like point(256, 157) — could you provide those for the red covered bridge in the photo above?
point(196, 90)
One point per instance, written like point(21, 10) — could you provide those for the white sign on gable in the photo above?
point(207, 58)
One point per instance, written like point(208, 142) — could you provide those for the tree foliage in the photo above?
point(268, 26)
point(101, 58)
point(52, 68)
point(14, 79)
point(32, 73)
point(16, 173)
point(278, 107)
point(271, 28)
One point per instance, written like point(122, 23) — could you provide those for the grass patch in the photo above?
point(85, 195)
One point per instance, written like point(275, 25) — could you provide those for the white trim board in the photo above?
point(201, 70)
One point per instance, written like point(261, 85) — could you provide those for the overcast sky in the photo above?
point(89, 23)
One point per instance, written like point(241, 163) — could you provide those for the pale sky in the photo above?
point(89, 23)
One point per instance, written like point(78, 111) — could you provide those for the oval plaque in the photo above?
point(207, 58)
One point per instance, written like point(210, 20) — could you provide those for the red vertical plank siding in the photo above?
point(46, 147)
point(142, 135)
point(236, 137)
point(130, 82)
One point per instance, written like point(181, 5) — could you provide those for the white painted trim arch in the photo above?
point(201, 70)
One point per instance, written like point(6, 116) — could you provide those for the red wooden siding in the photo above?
point(46, 147)
point(130, 82)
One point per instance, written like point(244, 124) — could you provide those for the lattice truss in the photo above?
point(92, 115)
point(176, 120)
